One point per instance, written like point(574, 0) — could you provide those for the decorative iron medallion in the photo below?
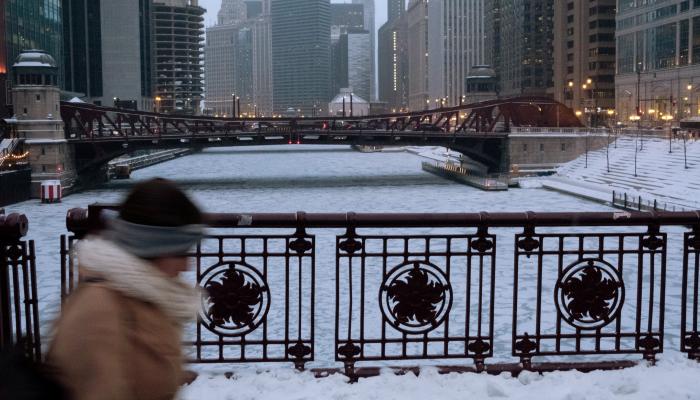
point(415, 297)
point(589, 294)
point(237, 299)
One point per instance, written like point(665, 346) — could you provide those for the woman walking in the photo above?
point(119, 334)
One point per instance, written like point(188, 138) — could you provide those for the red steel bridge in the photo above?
point(479, 130)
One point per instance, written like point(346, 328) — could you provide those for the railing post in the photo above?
point(12, 228)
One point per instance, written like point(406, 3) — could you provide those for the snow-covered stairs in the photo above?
point(660, 175)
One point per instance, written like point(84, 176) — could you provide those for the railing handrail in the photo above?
point(80, 221)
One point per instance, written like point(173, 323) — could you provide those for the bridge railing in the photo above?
point(586, 290)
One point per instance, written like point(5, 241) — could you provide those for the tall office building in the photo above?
point(350, 50)
point(33, 24)
point(525, 49)
point(584, 57)
point(4, 69)
point(417, 26)
point(658, 61)
point(395, 8)
point(232, 12)
point(492, 35)
point(456, 43)
point(107, 51)
point(262, 61)
point(347, 16)
point(179, 33)
point(370, 25)
point(301, 54)
point(393, 62)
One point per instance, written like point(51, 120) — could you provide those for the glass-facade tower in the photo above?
point(34, 24)
point(658, 61)
point(301, 54)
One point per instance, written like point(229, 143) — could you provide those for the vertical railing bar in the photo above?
point(35, 302)
point(538, 312)
point(560, 268)
point(16, 295)
point(516, 259)
point(362, 296)
point(481, 295)
point(492, 304)
point(64, 254)
point(468, 289)
point(684, 288)
point(198, 268)
point(601, 251)
point(662, 292)
point(300, 294)
point(581, 239)
point(652, 270)
point(264, 325)
point(640, 285)
point(620, 267)
point(384, 262)
point(313, 298)
point(696, 285)
point(27, 299)
point(446, 332)
point(286, 296)
point(337, 295)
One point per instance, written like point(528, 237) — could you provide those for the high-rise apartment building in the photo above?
point(370, 26)
point(301, 54)
point(393, 62)
point(456, 43)
point(179, 33)
point(584, 57)
point(107, 53)
point(523, 54)
point(658, 61)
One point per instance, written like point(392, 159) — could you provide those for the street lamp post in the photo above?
point(233, 105)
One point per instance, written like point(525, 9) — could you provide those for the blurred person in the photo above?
point(119, 334)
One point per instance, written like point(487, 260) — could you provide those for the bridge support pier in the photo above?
point(36, 101)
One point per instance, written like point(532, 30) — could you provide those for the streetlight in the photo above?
point(158, 99)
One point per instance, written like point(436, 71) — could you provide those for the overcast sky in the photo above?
point(212, 6)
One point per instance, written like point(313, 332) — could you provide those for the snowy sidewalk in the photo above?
point(676, 379)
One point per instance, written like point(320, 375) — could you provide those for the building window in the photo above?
point(524, 147)
point(38, 97)
point(541, 146)
point(563, 147)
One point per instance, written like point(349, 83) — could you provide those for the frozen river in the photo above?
point(315, 179)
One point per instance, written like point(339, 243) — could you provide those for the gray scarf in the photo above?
point(148, 241)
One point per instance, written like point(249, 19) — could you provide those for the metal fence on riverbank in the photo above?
point(581, 290)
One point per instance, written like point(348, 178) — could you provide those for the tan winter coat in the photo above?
point(119, 335)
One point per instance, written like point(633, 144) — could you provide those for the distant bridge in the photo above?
point(479, 130)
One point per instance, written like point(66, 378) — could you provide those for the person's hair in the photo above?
point(158, 202)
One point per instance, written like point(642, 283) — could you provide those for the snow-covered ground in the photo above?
point(661, 175)
point(336, 179)
point(672, 380)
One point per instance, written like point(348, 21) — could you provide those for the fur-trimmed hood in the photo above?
point(136, 278)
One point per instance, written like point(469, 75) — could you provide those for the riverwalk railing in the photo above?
point(416, 296)
point(582, 288)
point(19, 309)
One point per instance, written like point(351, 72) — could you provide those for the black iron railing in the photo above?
point(402, 296)
point(19, 312)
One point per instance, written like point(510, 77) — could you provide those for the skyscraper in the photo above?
point(232, 12)
point(370, 25)
point(393, 62)
point(417, 26)
point(395, 9)
point(456, 43)
point(350, 50)
point(179, 33)
point(262, 61)
point(34, 24)
point(107, 51)
point(525, 49)
point(658, 61)
point(300, 54)
point(584, 57)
